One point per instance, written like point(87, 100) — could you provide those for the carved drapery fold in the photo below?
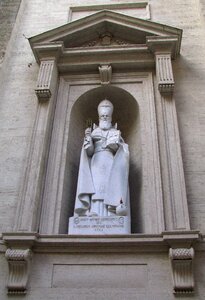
point(182, 269)
point(19, 261)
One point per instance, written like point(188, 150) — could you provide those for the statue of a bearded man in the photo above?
point(102, 188)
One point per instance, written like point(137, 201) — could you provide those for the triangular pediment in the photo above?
point(94, 30)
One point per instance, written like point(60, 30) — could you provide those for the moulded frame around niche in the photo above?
point(84, 61)
point(59, 191)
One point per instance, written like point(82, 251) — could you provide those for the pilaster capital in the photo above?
point(164, 45)
point(164, 49)
point(47, 51)
point(46, 55)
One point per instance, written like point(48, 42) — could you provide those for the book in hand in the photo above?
point(113, 139)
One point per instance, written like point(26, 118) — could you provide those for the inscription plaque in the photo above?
point(99, 225)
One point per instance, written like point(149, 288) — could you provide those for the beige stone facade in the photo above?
point(62, 57)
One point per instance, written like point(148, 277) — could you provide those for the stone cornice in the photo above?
point(47, 51)
point(61, 41)
point(19, 239)
point(77, 59)
point(181, 238)
point(21, 246)
point(141, 4)
point(115, 243)
point(108, 16)
point(162, 45)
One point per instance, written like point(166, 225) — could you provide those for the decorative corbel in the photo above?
point(47, 56)
point(182, 269)
point(164, 73)
point(19, 261)
point(19, 256)
point(181, 254)
point(43, 87)
point(164, 49)
point(105, 74)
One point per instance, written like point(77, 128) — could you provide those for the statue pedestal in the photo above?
point(99, 225)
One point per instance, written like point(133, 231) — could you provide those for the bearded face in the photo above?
point(105, 110)
point(105, 121)
point(105, 125)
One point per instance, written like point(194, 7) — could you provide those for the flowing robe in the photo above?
point(103, 176)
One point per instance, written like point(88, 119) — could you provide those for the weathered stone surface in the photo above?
point(17, 114)
point(8, 13)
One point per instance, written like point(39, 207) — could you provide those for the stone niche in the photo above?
point(129, 61)
point(126, 115)
point(135, 115)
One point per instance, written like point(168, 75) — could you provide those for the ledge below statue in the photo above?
point(99, 225)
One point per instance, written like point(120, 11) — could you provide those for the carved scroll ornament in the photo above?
point(182, 269)
point(19, 265)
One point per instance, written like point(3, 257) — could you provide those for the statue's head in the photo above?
point(105, 108)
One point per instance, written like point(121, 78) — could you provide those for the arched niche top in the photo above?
point(125, 107)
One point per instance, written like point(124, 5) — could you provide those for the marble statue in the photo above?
point(102, 188)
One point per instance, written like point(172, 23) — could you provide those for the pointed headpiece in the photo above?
point(107, 106)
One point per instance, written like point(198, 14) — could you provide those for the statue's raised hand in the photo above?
point(88, 131)
point(88, 143)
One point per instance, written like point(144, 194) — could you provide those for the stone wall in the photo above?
point(8, 12)
point(18, 106)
